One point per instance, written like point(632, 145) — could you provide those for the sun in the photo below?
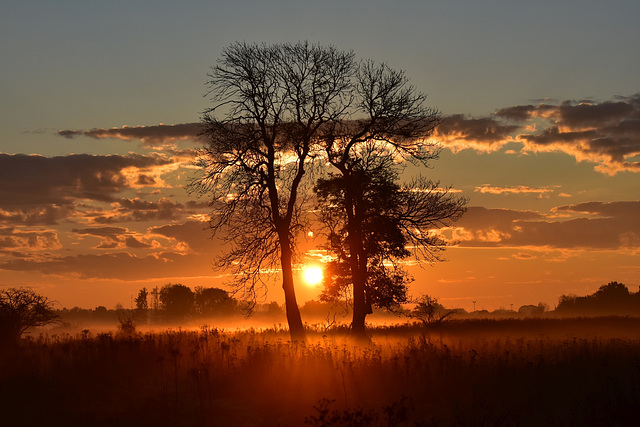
point(312, 275)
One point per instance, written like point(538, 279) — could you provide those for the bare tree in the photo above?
point(271, 105)
point(20, 309)
point(429, 311)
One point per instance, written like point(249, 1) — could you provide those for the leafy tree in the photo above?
point(612, 298)
point(270, 105)
point(381, 218)
point(381, 237)
point(429, 311)
point(177, 300)
point(212, 301)
point(20, 309)
point(612, 292)
point(142, 305)
point(372, 221)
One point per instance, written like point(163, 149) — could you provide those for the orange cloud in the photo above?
point(521, 189)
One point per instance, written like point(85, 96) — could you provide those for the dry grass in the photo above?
point(518, 372)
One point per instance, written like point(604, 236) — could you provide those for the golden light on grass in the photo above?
point(312, 275)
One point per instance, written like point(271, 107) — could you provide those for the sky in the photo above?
point(541, 107)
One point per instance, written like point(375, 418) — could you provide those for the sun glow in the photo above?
point(312, 275)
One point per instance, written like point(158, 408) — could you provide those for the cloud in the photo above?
point(485, 134)
point(193, 233)
point(518, 113)
point(156, 133)
point(120, 265)
point(608, 226)
point(604, 133)
point(628, 211)
point(187, 251)
point(36, 215)
point(115, 237)
point(521, 189)
point(18, 240)
point(32, 180)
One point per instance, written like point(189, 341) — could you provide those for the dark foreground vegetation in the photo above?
point(580, 371)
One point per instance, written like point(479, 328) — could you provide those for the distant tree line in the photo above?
point(610, 299)
point(23, 308)
point(175, 301)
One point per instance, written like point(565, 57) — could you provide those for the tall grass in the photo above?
point(526, 372)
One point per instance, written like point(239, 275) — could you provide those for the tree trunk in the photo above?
point(358, 263)
point(296, 328)
point(359, 305)
point(359, 276)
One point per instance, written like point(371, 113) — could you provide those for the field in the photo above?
point(583, 371)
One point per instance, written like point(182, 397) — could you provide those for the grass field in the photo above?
point(469, 372)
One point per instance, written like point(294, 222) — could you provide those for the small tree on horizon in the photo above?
point(21, 309)
point(142, 305)
point(177, 300)
point(429, 311)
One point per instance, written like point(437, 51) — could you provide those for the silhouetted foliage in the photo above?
point(371, 218)
point(371, 221)
point(126, 322)
point(20, 309)
point(533, 310)
point(142, 306)
point(177, 300)
point(612, 298)
point(214, 301)
point(429, 311)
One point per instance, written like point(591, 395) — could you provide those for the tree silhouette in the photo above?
point(381, 239)
point(142, 305)
point(387, 219)
point(612, 298)
point(212, 301)
point(20, 309)
point(270, 103)
point(177, 300)
point(377, 217)
point(429, 311)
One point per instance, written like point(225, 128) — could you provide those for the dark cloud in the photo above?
point(517, 113)
point(147, 134)
point(141, 210)
point(458, 132)
point(113, 237)
point(612, 225)
point(194, 233)
point(101, 231)
point(629, 211)
point(583, 114)
point(121, 265)
point(116, 260)
point(605, 133)
point(13, 239)
point(31, 180)
point(132, 242)
point(36, 215)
